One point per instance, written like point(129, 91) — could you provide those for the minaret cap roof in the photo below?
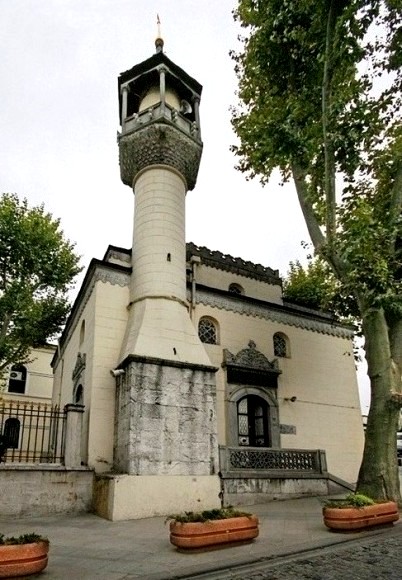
point(154, 61)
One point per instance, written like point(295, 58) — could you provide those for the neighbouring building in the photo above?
point(200, 382)
point(31, 382)
point(25, 399)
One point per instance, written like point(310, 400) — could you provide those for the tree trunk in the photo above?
point(378, 476)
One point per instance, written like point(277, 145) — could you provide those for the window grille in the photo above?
point(280, 346)
point(207, 331)
point(236, 289)
point(252, 421)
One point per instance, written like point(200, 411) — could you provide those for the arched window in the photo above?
point(281, 345)
point(17, 380)
point(236, 289)
point(11, 433)
point(252, 422)
point(207, 331)
point(82, 332)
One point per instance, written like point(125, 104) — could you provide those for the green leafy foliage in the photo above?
point(37, 267)
point(356, 500)
point(320, 99)
point(31, 538)
point(313, 286)
point(207, 515)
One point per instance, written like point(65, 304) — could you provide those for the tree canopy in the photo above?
point(320, 99)
point(37, 267)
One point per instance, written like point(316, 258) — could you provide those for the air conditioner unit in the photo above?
point(16, 375)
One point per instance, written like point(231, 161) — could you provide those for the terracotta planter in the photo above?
point(349, 519)
point(196, 535)
point(23, 559)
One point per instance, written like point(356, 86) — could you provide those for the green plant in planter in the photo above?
point(23, 539)
point(207, 515)
point(356, 500)
point(216, 527)
point(357, 512)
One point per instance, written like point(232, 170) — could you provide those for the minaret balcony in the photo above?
point(161, 113)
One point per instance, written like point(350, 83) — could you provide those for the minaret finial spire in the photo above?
point(159, 40)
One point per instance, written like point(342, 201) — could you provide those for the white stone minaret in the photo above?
point(166, 393)
point(160, 151)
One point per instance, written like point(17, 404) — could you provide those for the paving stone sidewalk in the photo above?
point(293, 543)
point(366, 559)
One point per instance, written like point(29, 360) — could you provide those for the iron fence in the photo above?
point(31, 432)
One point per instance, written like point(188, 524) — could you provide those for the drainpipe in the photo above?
point(194, 260)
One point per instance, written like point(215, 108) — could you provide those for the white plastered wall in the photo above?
point(109, 326)
point(320, 373)
point(220, 279)
point(105, 315)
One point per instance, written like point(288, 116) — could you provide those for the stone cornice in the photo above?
point(259, 309)
point(118, 253)
point(216, 259)
point(132, 358)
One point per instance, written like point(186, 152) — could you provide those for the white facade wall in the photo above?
point(320, 373)
point(109, 327)
point(105, 316)
point(220, 279)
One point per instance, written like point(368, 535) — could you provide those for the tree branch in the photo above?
point(395, 208)
point(318, 239)
point(4, 327)
point(329, 156)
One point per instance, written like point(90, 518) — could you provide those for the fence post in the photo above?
point(323, 460)
point(72, 449)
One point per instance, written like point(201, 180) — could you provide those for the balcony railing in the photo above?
point(159, 112)
point(251, 461)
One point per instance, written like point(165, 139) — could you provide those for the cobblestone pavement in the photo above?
point(374, 558)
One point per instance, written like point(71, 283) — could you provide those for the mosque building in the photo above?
point(200, 383)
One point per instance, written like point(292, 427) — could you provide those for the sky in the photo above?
point(60, 60)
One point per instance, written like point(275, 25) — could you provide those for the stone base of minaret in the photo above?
point(165, 441)
point(166, 419)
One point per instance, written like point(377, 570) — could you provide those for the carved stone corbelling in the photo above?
point(261, 311)
point(221, 261)
point(159, 144)
point(250, 358)
point(250, 367)
point(113, 277)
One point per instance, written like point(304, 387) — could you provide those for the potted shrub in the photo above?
point(27, 554)
point(357, 512)
point(195, 530)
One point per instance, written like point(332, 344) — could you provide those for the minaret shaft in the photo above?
point(159, 325)
point(159, 251)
